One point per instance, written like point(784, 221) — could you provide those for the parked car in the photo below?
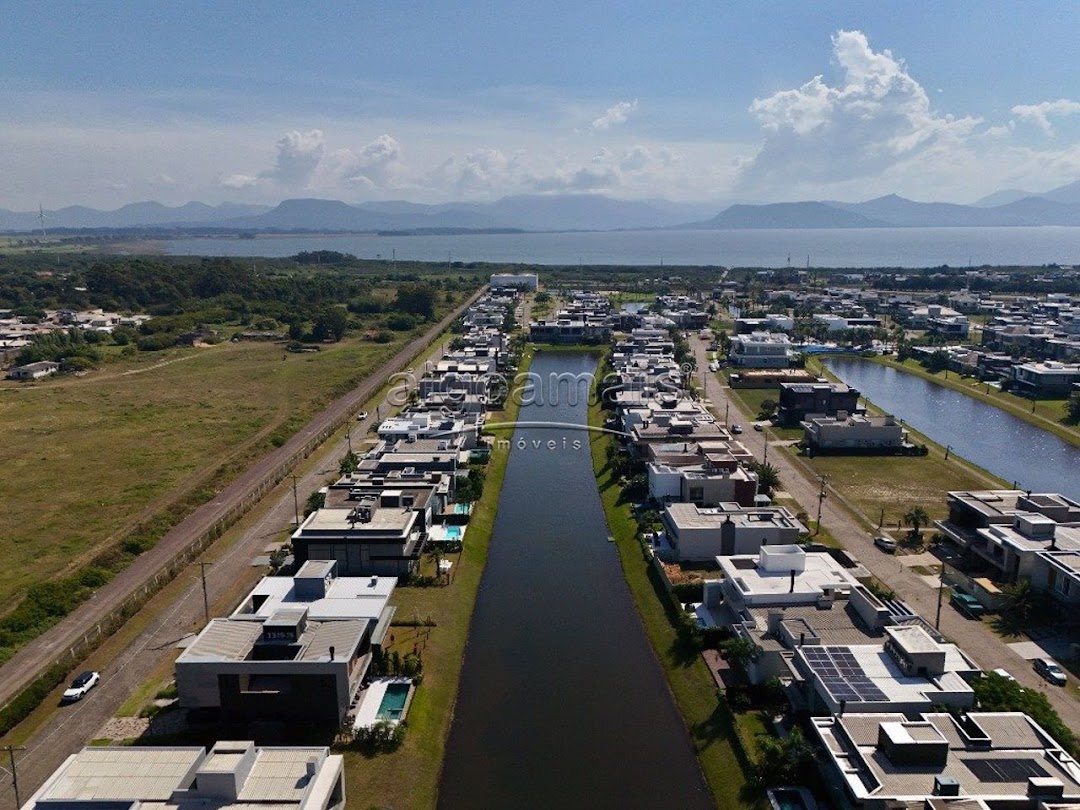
point(736, 428)
point(968, 605)
point(1050, 671)
point(885, 543)
point(360, 417)
point(759, 427)
point(714, 366)
point(80, 686)
point(1004, 673)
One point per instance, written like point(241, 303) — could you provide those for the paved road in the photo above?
point(976, 639)
point(71, 727)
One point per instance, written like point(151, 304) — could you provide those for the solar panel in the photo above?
point(841, 674)
point(1004, 770)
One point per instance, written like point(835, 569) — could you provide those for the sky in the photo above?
point(107, 103)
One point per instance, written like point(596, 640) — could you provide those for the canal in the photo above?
point(1010, 448)
point(562, 701)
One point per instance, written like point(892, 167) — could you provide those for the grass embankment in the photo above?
point(409, 776)
point(883, 487)
point(711, 723)
point(1048, 414)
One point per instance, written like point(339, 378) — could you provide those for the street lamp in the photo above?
point(822, 494)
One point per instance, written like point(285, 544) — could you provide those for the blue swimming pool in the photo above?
point(393, 702)
point(453, 532)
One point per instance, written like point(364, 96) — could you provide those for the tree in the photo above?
point(916, 518)
point(768, 408)
point(1024, 605)
point(316, 500)
point(348, 464)
point(739, 651)
point(330, 324)
point(416, 299)
point(768, 478)
point(938, 361)
point(1072, 409)
point(779, 760)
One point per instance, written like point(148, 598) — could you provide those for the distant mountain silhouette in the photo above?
point(788, 215)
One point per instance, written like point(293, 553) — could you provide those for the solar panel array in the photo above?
point(841, 675)
point(1004, 770)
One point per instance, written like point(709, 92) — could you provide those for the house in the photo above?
point(380, 535)
point(33, 371)
point(231, 775)
point(912, 671)
point(1049, 379)
point(799, 400)
point(761, 350)
point(856, 433)
point(718, 479)
point(693, 532)
point(296, 649)
point(1003, 760)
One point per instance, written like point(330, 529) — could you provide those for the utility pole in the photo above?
point(822, 494)
point(11, 749)
point(727, 409)
point(765, 457)
point(348, 438)
point(940, 592)
point(295, 501)
point(205, 596)
point(881, 520)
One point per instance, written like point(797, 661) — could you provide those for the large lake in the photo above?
point(862, 247)
point(562, 702)
point(997, 441)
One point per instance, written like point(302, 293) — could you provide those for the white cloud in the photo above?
point(298, 156)
point(376, 165)
point(239, 181)
point(879, 117)
point(1040, 114)
point(615, 114)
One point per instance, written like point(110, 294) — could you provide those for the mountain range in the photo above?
point(565, 212)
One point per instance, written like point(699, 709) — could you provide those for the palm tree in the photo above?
point(916, 518)
point(768, 478)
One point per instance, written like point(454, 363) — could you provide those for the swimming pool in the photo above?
point(445, 533)
point(393, 701)
point(462, 508)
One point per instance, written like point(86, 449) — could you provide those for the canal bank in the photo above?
point(562, 701)
point(989, 437)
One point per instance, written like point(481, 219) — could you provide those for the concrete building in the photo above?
point(380, 535)
point(519, 281)
point(800, 400)
point(761, 350)
point(230, 776)
point(33, 371)
point(978, 760)
point(717, 480)
point(853, 433)
point(297, 648)
point(693, 532)
point(1049, 379)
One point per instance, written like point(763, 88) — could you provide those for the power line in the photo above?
point(11, 749)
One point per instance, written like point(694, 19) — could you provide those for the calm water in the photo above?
point(858, 247)
point(562, 703)
point(995, 440)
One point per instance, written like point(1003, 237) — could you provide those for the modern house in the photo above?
point(380, 535)
point(693, 532)
point(853, 433)
point(761, 350)
point(978, 760)
point(716, 480)
point(1049, 379)
point(296, 649)
point(230, 776)
point(800, 400)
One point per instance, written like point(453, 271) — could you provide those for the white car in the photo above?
point(360, 417)
point(80, 686)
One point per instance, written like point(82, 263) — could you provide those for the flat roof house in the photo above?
point(1049, 379)
point(33, 371)
point(230, 776)
point(801, 400)
point(853, 433)
point(296, 649)
point(761, 350)
point(979, 760)
point(701, 533)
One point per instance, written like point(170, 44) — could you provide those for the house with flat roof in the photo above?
point(230, 776)
point(33, 371)
point(693, 532)
point(800, 400)
point(716, 480)
point(1049, 379)
point(761, 350)
point(853, 433)
point(978, 760)
point(381, 535)
point(297, 648)
point(911, 671)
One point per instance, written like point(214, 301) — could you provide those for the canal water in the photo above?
point(1010, 448)
point(562, 701)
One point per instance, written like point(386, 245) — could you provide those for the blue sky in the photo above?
point(106, 103)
